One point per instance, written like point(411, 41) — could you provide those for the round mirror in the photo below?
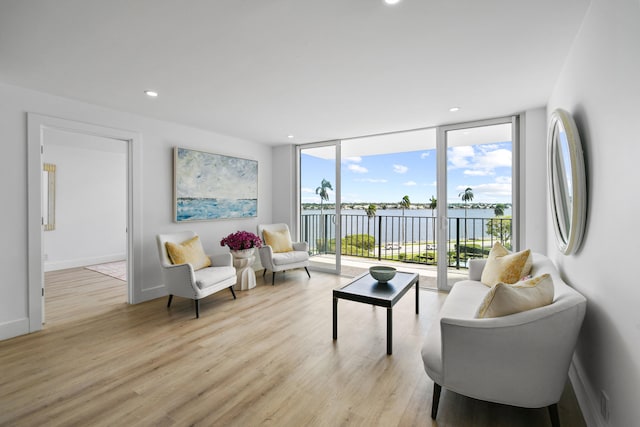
point(567, 186)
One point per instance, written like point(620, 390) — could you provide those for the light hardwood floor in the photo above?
point(267, 358)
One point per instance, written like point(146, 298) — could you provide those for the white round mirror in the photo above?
point(567, 183)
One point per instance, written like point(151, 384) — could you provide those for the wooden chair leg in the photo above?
point(169, 302)
point(197, 301)
point(273, 279)
point(436, 400)
point(232, 292)
point(553, 414)
point(305, 269)
point(264, 271)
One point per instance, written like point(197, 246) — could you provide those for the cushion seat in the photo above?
point(284, 258)
point(210, 276)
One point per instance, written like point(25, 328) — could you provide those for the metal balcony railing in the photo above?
point(406, 238)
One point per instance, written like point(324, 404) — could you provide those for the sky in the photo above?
point(386, 178)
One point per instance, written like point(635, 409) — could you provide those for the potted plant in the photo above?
point(241, 243)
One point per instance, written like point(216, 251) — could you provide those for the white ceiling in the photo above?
point(320, 70)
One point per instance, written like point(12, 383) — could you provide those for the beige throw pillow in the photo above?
point(280, 241)
point(188, 252)
point(506, 267)
point(504, 299)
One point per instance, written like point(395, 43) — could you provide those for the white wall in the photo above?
point(284, 179)
point(91, 200)
point(600, 86)
point(533, 186)
point(158, 140)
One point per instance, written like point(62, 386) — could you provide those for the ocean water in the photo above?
point(204, 209)
point(419, 225)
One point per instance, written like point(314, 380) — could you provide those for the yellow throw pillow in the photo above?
point(504, 299)
point(188, 252)
point(506, 267)
point(280, 241)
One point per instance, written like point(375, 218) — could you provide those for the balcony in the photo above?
point(408, 239)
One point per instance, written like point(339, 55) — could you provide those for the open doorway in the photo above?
point(89, 223)
point(37, 125)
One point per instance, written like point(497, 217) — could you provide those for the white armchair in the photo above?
point(182, 280)
point(275, 260)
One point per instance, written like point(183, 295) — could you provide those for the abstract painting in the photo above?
point(212, 186)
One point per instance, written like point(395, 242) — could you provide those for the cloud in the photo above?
point(400, 169)
point(307, 190)
point(410, 183)
point(479, 160)
point(357, 168)
point(424, 155)
point(353, 159)
point(500, 188)
point(459, 157)
point(372, 180)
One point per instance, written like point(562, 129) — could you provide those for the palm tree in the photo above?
point(433, 204)
point(405, 203)
point(499, 209)
point(323, 192)
point(466, 196)
point(371, 212)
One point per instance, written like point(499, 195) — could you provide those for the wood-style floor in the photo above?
point(267, 358)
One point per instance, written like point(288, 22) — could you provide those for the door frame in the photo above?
point(441, 165)
point(337, 190)
point(36, 125)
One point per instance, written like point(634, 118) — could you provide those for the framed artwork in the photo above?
point(211, 186)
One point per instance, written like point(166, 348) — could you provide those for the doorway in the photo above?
point(89, 219)
point(36, 129)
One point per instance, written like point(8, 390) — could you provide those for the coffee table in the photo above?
point(366, 289)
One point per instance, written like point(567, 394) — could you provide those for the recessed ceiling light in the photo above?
point(151, 93)
point(290, 136)
point(392, 1)
point(454, 109)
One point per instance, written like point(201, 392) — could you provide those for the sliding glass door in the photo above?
point(319, 191)
point(478, 182)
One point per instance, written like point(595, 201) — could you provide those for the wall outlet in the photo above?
point(604, 405)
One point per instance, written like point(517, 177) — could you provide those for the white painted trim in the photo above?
point(588, 403)
point(13, 328)
point(82, 262)
point(36, 124)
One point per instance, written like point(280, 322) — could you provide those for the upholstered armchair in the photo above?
point(200, 276)
point(279, 253)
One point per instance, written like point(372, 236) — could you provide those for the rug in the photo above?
point(116, 269)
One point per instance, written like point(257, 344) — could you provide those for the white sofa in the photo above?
point(521, 359)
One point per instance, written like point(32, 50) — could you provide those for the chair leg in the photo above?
point(232, 293)
point(436, 400)
point(273, 279)
point(169, 302)
point(305, 269)
point(553, 414)
point(264, 272)
point(197, 301)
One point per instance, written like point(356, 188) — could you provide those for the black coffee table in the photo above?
point(366, 289)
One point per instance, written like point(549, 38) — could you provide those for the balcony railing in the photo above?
point(406, 238)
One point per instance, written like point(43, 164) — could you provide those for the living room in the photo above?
point(595, 80)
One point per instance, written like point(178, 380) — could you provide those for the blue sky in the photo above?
point(486, 168)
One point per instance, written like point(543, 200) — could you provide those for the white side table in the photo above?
point(242, 261)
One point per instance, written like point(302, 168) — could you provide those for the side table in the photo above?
point(243, 261)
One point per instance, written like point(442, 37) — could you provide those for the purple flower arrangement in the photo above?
point(241, 240)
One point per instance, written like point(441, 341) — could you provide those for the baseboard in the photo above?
point(13, 328)
point(588, 402)
point(82, 262)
